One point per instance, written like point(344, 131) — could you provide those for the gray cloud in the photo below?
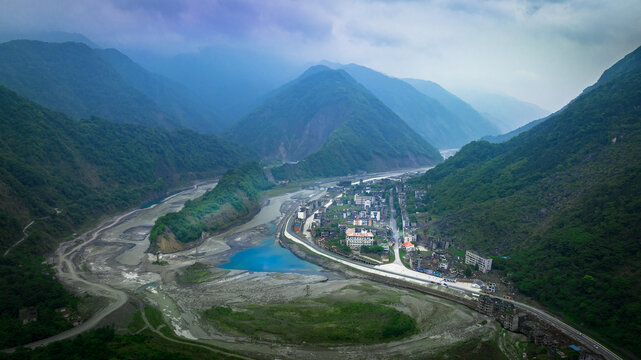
point(543, 51)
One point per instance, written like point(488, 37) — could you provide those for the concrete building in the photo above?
point(356, 239)
point(409, 246)
point(302, 213)
point(472, 258)
point(364, 222)
point(365, 201)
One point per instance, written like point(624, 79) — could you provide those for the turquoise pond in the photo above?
point(269, 256)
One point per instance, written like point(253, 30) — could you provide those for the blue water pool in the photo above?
point(269, 256)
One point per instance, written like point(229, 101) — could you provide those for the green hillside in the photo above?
point(334, 125)
point(76, 80)
point(91, 167)
point(563, 201)
point(232, 201)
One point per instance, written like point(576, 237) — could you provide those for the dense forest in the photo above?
point(28, 282)
point(562, 202)
point(233, 200)
point(101, 344)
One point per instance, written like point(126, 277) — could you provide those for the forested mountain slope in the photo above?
point(87, 168)
point(563, 201)
point(338, 127)
point(75, 79)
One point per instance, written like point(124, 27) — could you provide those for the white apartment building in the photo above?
point(472, 258)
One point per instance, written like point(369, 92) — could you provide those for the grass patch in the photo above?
point(456, 252)
point(318, 321)
point(154, 316)
point(280, 189)
point(391, 255)
point(197, 273)
point(136, 323)
point(401, 253)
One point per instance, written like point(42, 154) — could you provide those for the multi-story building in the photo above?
point(365, 201)
point(364, 222)
point(472, 258)
point(356, 239)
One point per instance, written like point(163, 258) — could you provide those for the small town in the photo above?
point(354, 220)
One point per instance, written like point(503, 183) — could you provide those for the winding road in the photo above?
point(65, 269)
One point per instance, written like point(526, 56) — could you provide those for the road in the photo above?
point(66, 269)
point(559, 324)
point(24, 231)
point(395, 234)
point(572, 332)
point(141, 308)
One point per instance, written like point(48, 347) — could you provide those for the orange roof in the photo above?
point(407, 244)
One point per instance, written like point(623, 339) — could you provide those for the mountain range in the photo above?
point(81, 82)
point(561, 202)
point(333, 126)
point(442, 123)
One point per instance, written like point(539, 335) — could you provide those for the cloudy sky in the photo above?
point(542, 51)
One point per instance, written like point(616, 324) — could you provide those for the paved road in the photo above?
point(395, 234)
point(572, 332)
point(596, 346)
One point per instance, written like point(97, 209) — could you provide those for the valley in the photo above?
point(110, 261)
point(271, 179)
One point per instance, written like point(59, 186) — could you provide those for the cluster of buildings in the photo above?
point(356, 218)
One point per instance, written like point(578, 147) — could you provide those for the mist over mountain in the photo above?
point(48, 36)
point(455, 105)
point(231, 81)
point(444, 125)
point(507, 112)
point(170, 96)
